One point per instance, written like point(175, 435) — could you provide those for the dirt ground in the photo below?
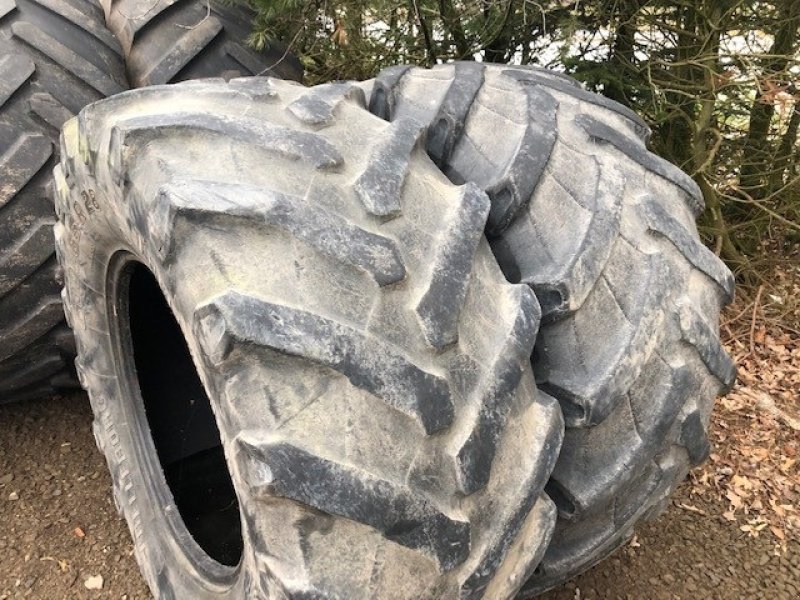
point(59, 528)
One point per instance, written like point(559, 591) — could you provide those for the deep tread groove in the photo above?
point(43, 281)
point(248, 62)
point(698, 334)
point(21, 162)
point(440, 304)
point(574, 89)
point(6, 6)
point(696, 253)
point(449, 122)
point(31, 251)
point(15, 70)
point(563, 294)
point(511, 193)
point(588, 403)
point(50, 110)
point(140, 22)
point(366, 361)
point(317, 107)
point(296, 145)
point(77, 18)
point(349, 492)
point(31, 375)
point(695, 438)
point(381, 184)
point(382, 100)
point(580, 464)
point(73, 62)
point(473, 588)
point(321, 229)
point(651, 162)
point(35, 324)
point(187, 48)
point(493, 573)
point(475, 455)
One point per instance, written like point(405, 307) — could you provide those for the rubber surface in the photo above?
point(603, 231)
point(367, 362)
point(55, 57)
point(167, 41)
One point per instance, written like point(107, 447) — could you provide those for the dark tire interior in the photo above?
point(181, 422)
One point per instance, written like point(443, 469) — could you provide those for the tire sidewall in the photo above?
point(104, 244)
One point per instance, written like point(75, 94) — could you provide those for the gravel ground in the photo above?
point(59, 528)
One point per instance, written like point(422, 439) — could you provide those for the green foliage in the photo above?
point(716, 79)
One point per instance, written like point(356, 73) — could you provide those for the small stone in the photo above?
point(764, 560)
point(6, 479)
point(94, 582)
point(13, 496)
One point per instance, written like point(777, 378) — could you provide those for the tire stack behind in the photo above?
point(166, 41)
point(56, 56)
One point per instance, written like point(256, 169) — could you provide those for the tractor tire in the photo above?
point(604, 233)
point(167, 41)
point(364, 360)
point(55, 57)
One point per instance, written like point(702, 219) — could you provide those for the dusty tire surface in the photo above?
point(55, 57)
point(166, 41)
point(366, 361)
point(604, 233)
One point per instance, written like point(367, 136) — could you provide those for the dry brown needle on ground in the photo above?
point(755, 430)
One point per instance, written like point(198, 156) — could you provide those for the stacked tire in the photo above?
point(604, 233)
point(57, 56)
point(346, 341)
point(167, 41)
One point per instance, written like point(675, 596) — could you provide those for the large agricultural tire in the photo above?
point(55, 57)
point(167, 41)
point(604, 233)
point(366, 361)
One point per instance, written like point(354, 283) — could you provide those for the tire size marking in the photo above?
point(82, 209)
